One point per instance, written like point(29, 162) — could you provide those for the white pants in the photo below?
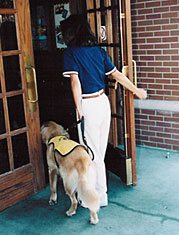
point(97, 114)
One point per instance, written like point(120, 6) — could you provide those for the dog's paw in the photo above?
point(52, 202)
point(70, 213)
point(94, 221)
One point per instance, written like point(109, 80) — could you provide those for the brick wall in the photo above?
point(155, 30)
point(159, 129)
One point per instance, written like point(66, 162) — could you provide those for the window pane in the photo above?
point(39, 28)
point(12, 72)
point(20, 150)
point(8, 32)
point(61, 12)
point(16, 112)
point(4, 159)
point(6, 4)
point(2, 122)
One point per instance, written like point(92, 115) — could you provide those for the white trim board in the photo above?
point(163, 105)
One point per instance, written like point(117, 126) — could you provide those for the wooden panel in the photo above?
point(10, 53)
point(16, 186)
point(115, 161)
point(98, 18)
point(7, 11)
point(91, 16)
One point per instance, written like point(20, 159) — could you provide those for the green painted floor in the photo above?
point(150, 208)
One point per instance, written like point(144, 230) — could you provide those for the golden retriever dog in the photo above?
point(76, 169)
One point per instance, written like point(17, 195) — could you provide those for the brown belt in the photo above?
point(93, 96)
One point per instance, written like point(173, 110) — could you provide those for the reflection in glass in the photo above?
point(20, 150)
point(4, 157)
point(12, 72)
point(16, 112)
point(39, 28)
point(2, 122)
point(8, 32)
point(61, 12)
point(6, 4)
point(120, 121)
point(121, 144)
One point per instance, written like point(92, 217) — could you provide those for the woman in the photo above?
point(86, 64)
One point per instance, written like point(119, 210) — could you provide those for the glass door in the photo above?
point(111, 23)
point(21, 163)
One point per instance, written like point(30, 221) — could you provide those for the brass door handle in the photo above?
point(125, 71)
point(135, 72)
point(31, 84)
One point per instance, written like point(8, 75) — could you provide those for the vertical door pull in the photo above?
point(135, 72)
point(31, 84)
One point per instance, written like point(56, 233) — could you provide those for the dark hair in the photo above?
point(76, 31)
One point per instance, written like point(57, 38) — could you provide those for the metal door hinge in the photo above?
point(123, 15)
point(129, 171)
point(135, 72)
point(126, 135)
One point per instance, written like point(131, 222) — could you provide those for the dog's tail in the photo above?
point(88, 195)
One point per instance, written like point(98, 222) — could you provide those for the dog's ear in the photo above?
point(46, 124)
point(44, 134)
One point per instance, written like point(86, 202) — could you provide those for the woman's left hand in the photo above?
point(80, 114)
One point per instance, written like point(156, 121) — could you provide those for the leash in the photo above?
point(73, 125)
point(83, 134)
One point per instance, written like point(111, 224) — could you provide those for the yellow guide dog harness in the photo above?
point(63, 145)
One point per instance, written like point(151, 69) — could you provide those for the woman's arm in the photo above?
point(77, 94)
point(124, 81)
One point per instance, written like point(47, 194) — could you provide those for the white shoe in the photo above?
point(104, 200)
point(103, 204)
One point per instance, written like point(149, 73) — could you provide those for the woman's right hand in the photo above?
point(141, 93)
point(124, 81)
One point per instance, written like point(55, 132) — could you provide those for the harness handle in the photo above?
point(84, 138)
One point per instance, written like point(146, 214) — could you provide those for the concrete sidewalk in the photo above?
point(150, 208)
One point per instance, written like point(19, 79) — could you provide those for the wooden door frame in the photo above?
point(130, 117)
point(33, 117)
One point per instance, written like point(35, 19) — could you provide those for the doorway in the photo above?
point(111, 23)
